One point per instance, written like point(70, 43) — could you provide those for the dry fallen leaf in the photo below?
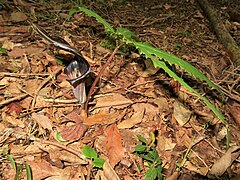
point(181, 113)
point(43, 121)
point(200, 170)
point(18, 16)
point(133, 120)
point(14, 121)
point(221, 165)
point(41, 169)
point(235, 111)
point(109, 172)
point(115, 100)
point(74, 132)
point(102, 117)
point(113, 144)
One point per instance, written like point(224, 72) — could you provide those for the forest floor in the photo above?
point(132, 98)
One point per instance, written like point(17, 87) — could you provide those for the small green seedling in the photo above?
point(91, 154)
point(3, 51)
point(149, 154)
point(18, 167)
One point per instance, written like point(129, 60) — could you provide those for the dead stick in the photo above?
point(98, 77)
point(73, 151)
point(13, 99)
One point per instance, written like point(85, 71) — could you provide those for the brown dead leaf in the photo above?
point(74, 132)
point(235, 111)
point(75, 117)
point(133, 120)
point(16, 52)
point(102, 117)
point(31, 85)
point(9, 45)
point(42, 169)
point(43, 121)
point(113, 145)
point(221, 165)
point(12, 120)
point(109, 172)
point(115, 100)
point(129, 139)
point(50, 58)
point(18, 16)
point(181, 113)
point(150, 69)
point(200, 170)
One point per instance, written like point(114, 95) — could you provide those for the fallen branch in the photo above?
point(13, 99)
point(221, 31)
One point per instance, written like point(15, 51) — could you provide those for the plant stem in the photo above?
point(98, 77)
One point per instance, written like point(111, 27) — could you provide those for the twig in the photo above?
point(22, 74)
point(73, 151)
point(98, 77)
point(13, 99)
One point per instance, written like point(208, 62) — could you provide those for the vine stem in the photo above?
point(98, 77)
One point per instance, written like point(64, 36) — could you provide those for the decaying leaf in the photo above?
point(18, 16)
point(235, 111)
point(43, 121)
point(115, 100)
point(102, 117)
point(221, 165)
point(113, 145)
point(135, 119)
point(200, 170)
point(41, 169)
point(74, 132)
point(181, 113)
point(109, 172)
point(14, 121)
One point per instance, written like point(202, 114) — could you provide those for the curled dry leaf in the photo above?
point(113, 144)
point(109, 172)
point(221, 165)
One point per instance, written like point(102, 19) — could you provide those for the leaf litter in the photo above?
point(133, 98)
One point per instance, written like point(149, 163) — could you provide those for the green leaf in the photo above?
point(140, 148)
point(159, 172)
point(59, 137)
point(151, 174)
point(12, 162)
point(172, 59)
point(29, 172)
point(3, 51)
point(89, 152)
point(107, 26)
point(72, 11)
point(98, 162)
point(148, 158)
point(142, 139)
